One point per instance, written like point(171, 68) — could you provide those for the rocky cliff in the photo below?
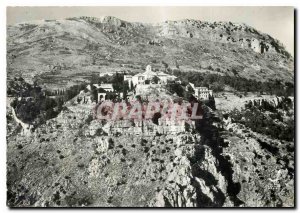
point(72, 161)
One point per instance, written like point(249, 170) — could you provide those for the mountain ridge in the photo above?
point(75, 48)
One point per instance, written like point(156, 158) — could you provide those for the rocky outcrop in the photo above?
point(110, 170)
point(234, 33)
point(274, 101)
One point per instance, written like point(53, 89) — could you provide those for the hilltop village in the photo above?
point(142, 83)
point(145, 86)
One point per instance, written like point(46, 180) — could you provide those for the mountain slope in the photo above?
point(61, 52)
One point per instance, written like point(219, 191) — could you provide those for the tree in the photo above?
point(117, 82)
point(211, 103)
point(94, 94)
point(131, 85)
point(155, 80)
point(217, 87)
point(165, 64)
point(176, 64)
point(176, 88)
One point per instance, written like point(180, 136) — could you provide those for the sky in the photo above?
point(275, 21)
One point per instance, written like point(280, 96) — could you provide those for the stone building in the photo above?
point(106, 87)
point(200, 92)
point(203, 93)
point(141, 78)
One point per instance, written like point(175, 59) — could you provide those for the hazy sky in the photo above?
point(276, 21)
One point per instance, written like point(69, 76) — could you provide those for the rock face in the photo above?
point(72, 161)
point(220, 32)
point(70, 50)
point(263, 166)
point(79, 165)
point(272, 101)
